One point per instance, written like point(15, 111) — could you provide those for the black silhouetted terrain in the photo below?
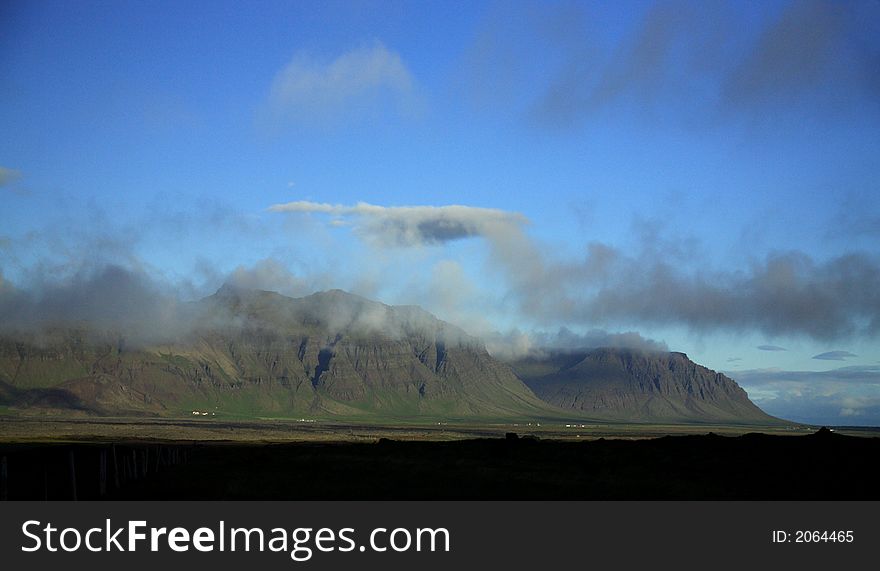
point(819, 466)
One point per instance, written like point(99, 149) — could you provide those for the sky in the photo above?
point(694, 176)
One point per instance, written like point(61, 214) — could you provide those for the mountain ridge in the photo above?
point(637, 385)
point(260, 353)
point(332, 354)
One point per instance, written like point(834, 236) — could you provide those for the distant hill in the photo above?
point(630, 385)
point(258, 353)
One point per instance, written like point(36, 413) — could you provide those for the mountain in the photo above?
point(251, 353)
point(258, 353)
point(631, 385)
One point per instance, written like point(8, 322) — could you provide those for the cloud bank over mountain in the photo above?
point(786, 293)
point(588, 300)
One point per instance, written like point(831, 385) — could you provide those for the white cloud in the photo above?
point(359, 80)
point(413, 225)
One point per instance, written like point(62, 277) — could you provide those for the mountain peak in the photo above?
point(337, 295)
point(625, 384)
point(232, 296)
point(227, 290)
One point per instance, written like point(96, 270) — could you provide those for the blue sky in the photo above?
point(703, 174)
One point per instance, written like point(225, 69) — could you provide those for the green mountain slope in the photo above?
point(257, 353)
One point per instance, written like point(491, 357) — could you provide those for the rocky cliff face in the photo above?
point(257, 353)
point(620, 384)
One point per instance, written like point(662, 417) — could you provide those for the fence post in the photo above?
point(4, 479)
point(115, 468)
point(102, 473)
point(72, 464)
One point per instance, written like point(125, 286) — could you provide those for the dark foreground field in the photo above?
point(819, 466)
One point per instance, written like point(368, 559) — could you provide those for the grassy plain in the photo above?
point(15, 428)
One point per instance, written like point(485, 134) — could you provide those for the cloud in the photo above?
point(856, 218)
point(722, 58)
point(771, 348)
point(664, 283)
point(668, 283)
point(849, 411)
point(269, 275)
point(108, 298)
point(847, 395)
point(858, 374)
point(785, 294)
point(130, 299)
point(412, 225)
point(112, 303)
point(517, 344)
point(638, 69)
point(358, 81)
point(734, 359)
point(793, 54)
point(834, 356)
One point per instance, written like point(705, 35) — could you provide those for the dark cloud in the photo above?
point(720, 57)
point(496, 69)
point(834, 356)
point(105, 298)
point(784, 294)
point(794, 53)
point(637, 71)
point(771, 348)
